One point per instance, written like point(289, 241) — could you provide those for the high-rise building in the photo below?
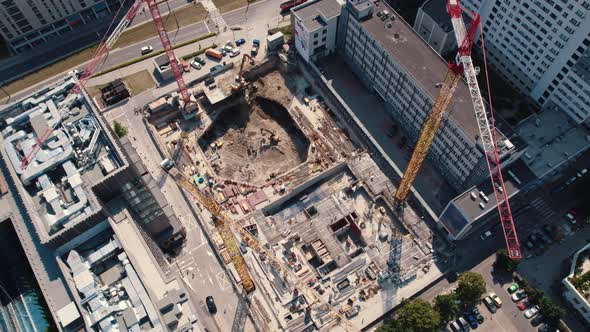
point(542, 48)
point(25, 24)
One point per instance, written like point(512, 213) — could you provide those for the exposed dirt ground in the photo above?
point(254, 143)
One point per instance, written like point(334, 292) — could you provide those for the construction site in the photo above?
point(276, 172)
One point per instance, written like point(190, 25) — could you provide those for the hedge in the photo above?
point(199, 52)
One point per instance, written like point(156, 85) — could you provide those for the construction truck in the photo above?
point(255, 47)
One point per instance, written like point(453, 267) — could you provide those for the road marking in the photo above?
point(224, 284)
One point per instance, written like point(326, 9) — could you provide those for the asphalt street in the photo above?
point(261, 10)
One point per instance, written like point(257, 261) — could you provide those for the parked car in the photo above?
point(200, 60)
point(523, 305)
point(485, 235)
point(471, 321)
point(211, 304)
point(571, 217)
point(531, 312)
point(518, 295)
point(216, 67)
point(513, 288)
point(146, 49)
point(496, 300)
point(463, 323)
point(235, 52)
point(452, 276)
point(185, 66)
point(477, 315)
point(489, 304)
point(536, 321)
point(529, 245)
point(455, 327)
point(196, 65)
point(240, 42)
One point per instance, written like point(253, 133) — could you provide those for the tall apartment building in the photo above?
point(25, 24)
point(401, 68)
point(542, 48)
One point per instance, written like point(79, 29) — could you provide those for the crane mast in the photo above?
point(487, 135)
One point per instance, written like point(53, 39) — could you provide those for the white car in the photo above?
point(570, 217)
point(485, 235)
point(146, 49)
point(235, 52)
point(196, 65)
point(531, 312)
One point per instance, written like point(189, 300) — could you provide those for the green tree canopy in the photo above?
point(120, 130)
point(446, 305)
point(504, 262)
point(415, 316)
point(471, 287)
point(551, 311)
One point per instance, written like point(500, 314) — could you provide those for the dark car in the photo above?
point(472, 321)
point(490, 304)
point(477, 315)
point(240, 41)
point(211, 304)
point(200, 60)
point(216, 67)
point(537, 320)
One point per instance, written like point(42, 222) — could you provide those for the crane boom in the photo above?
point(224, 224)
point(103, 51)
point(153, 6)
point(100, 55)
point(487, 135)
point(428, 132)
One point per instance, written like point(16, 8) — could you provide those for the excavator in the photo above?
point(239, 80)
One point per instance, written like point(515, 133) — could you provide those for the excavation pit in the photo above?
point(254, 143)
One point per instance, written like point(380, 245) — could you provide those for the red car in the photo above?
point(523, 305)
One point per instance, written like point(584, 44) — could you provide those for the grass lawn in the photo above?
point(225, 6)
point(49, 71)
point(185, 16)
point(137, 83)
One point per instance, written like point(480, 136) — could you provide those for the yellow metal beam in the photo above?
point(427, 134)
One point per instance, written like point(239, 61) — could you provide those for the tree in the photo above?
point(446, 305)
point(551, 311)
point(535, 295)
point(471, 287)
point(504, 262)
point(416, 316)
point(120, 130)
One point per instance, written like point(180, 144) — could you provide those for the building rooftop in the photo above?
point(477, 202)
point(76, 153)
point(313, 14)
point(437, 10)
point(552, 138)
point(422, 62)
point(108, 286)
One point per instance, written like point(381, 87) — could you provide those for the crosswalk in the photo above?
point(215, 15)
point(543, 210)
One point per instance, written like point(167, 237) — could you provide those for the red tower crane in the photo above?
point(103, 51)
point(487, 133)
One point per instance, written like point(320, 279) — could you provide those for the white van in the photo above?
point(167, 164)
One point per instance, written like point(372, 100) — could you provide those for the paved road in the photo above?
point(259, 11)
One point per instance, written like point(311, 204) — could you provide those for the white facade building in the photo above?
point(433, 23)
point(542, 48)
point(315, 24)
point(26, 24)
point(576, 298)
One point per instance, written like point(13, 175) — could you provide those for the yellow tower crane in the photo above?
point(432, 122)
